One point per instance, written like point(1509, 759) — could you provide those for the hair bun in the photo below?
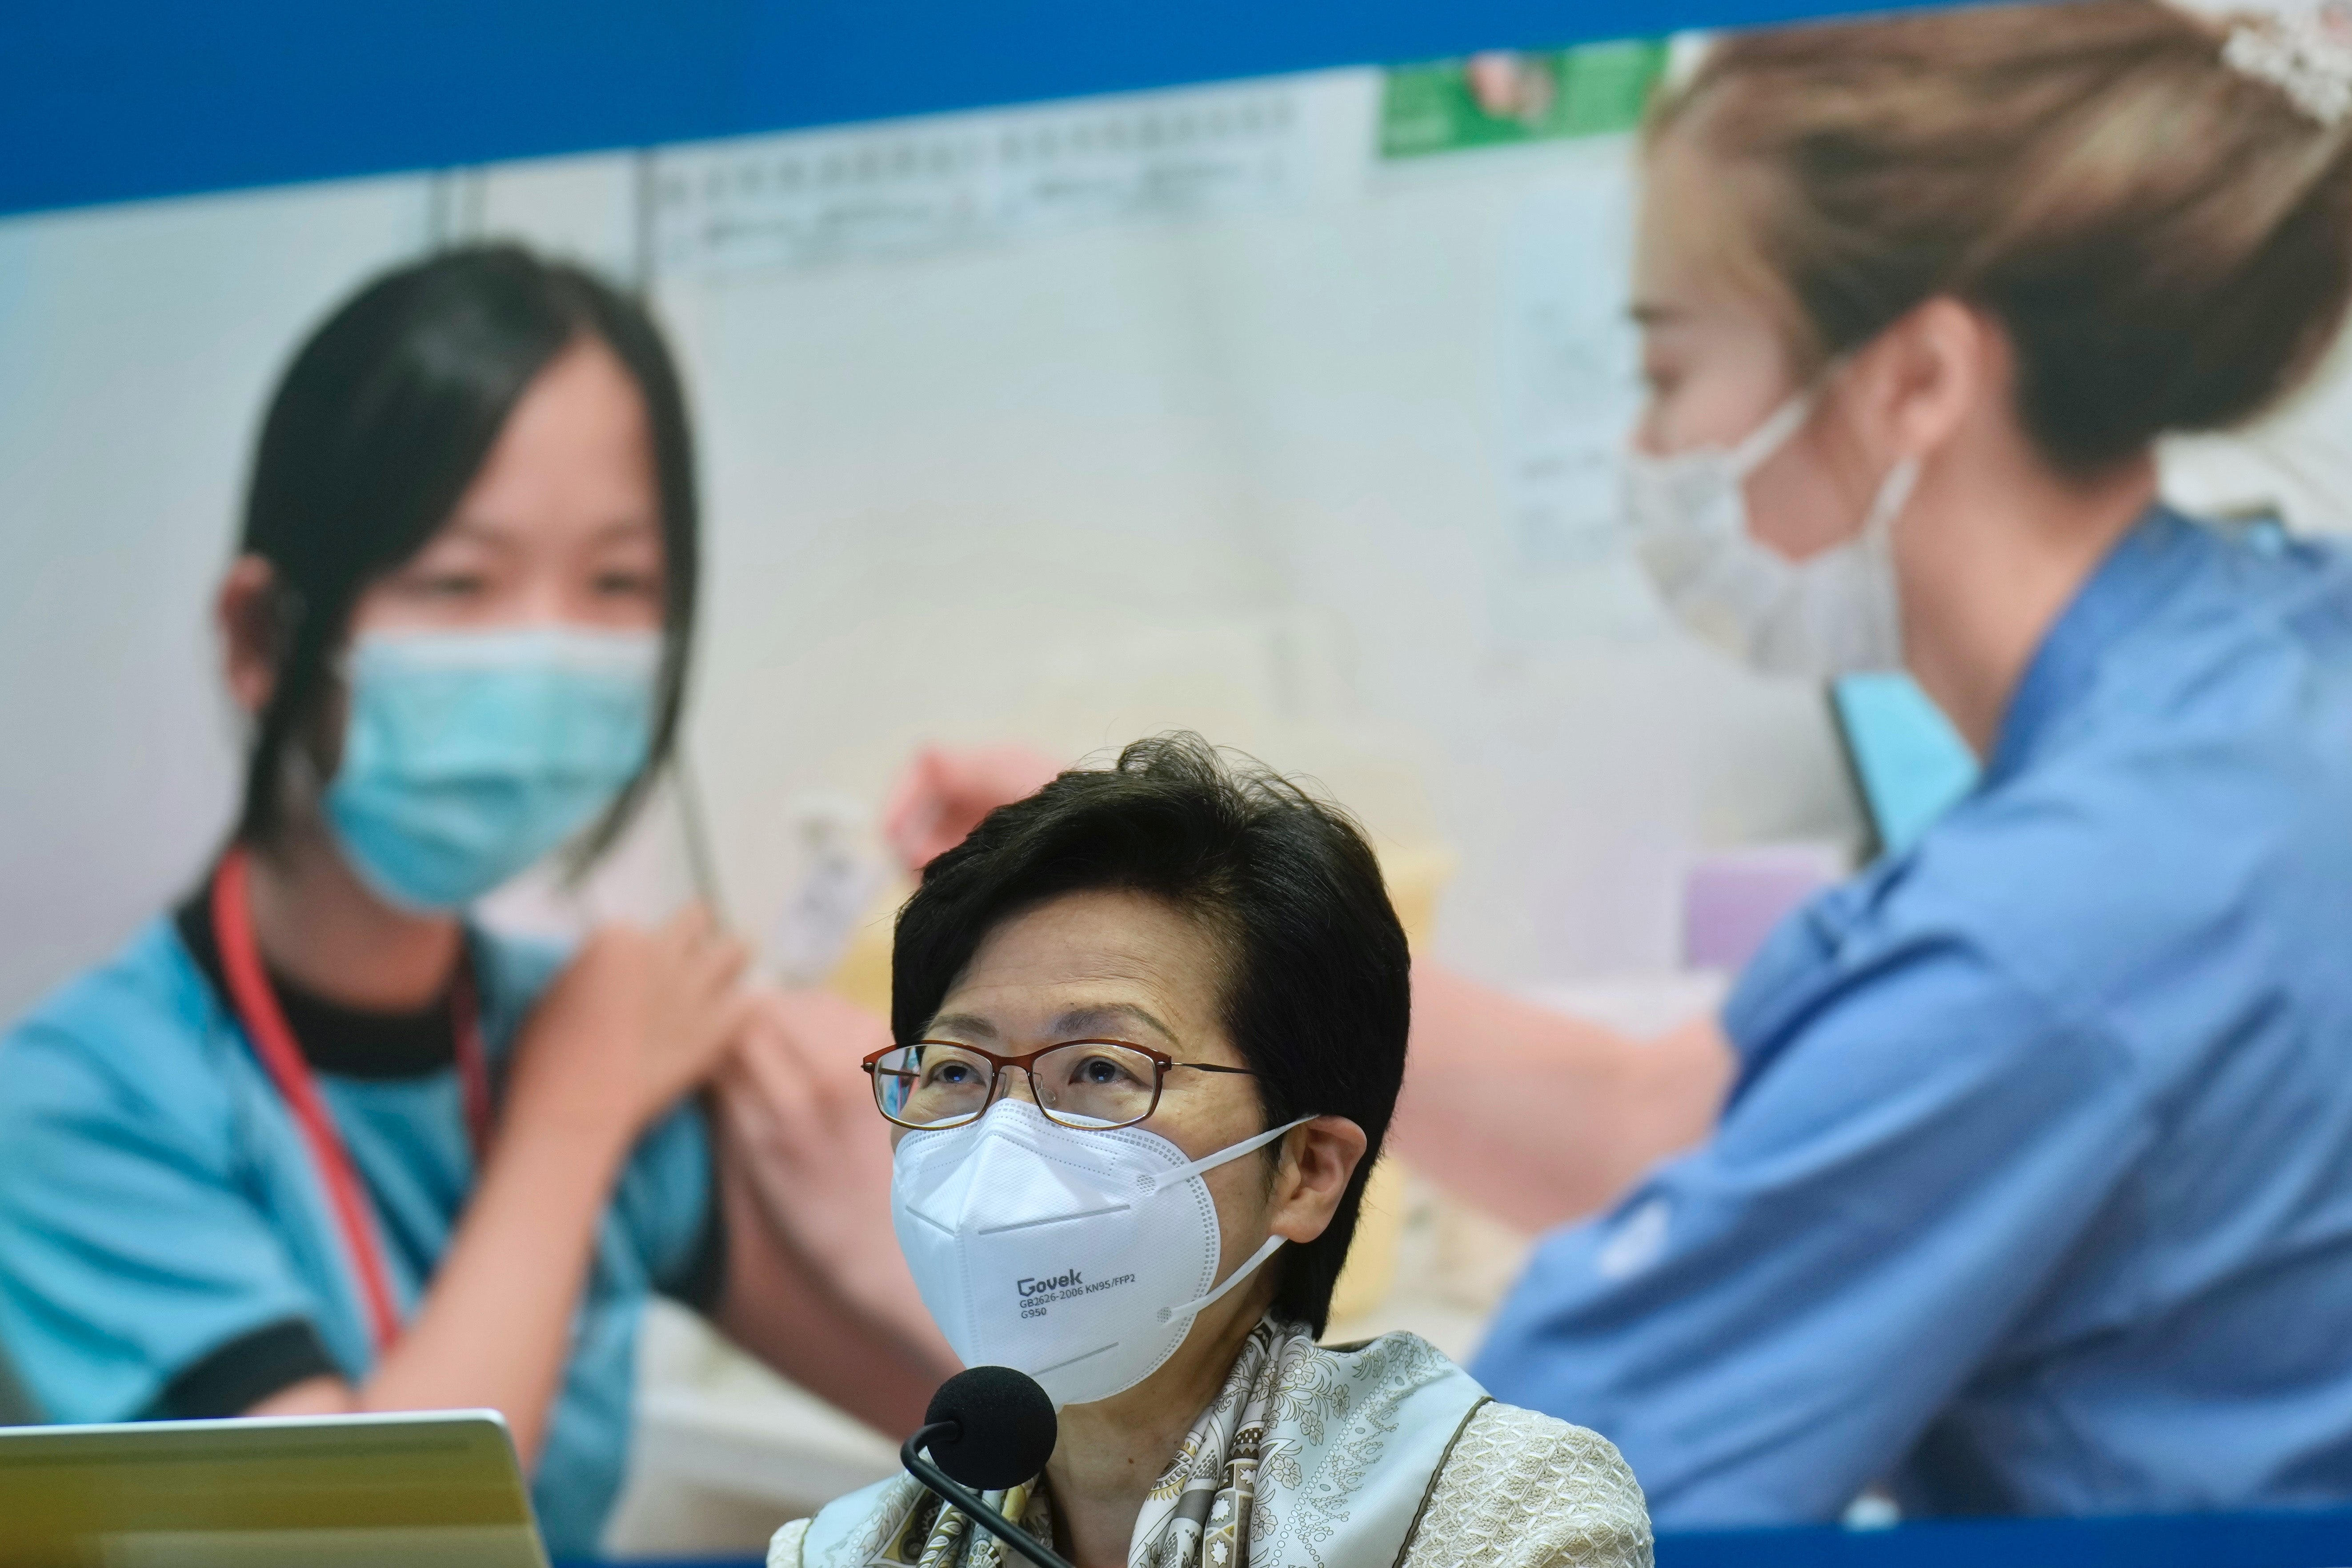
point(2136, 193)
point(2306, 55)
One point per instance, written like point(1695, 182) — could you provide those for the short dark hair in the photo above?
point(1317, 992)
point(381, 423)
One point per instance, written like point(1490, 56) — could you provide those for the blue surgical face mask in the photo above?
point(469, 755)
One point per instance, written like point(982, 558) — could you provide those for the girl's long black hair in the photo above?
point(378, 427)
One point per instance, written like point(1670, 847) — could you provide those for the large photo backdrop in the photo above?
point(1285, 408)
point(1282, 409)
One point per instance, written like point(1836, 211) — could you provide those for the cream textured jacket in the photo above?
point(1383, 1454)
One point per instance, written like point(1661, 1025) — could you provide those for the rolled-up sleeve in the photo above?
point(1766, 1326)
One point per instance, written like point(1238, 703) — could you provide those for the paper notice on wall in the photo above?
point(808, 198)
point(1570, 364)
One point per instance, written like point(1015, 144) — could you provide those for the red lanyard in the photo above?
point(273, 1041)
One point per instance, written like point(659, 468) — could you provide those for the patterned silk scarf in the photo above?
point(1201, 1513)
point(934, 1535)
point(1307, 1455)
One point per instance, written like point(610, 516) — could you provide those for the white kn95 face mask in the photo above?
point(1834, 613)
point(1078, 1256)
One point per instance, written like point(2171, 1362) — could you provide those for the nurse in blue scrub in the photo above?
point(2022, 1166)
point(314, 1141)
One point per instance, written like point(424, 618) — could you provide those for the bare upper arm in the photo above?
point(312, 1397)
point(1540, 1117)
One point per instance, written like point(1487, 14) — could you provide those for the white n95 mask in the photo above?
point(1834, 613)
point(1078, 1256)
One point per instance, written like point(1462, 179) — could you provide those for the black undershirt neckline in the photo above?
point(334, 1037)
point(357, 1043)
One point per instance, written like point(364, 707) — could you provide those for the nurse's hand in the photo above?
point(636, 1020)
point(942, 794)
point(816, 1154)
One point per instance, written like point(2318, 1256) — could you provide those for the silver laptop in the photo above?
point(338, 1491)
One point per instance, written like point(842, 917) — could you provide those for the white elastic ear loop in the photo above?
point(1248, 1268)
point(1778, 427)
point(1893, 495)
point(1207, 1163)
point(1210, 1163)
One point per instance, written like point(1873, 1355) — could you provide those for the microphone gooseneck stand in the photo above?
point(919, 1466)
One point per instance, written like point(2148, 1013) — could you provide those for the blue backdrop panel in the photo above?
point(2316, 1540)
point(2319, 1540)
point(114, 99)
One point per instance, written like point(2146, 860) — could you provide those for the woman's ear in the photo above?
point(249, 614)
point(1318, 1161)
point(1935, 367)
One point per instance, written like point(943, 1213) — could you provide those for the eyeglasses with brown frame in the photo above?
point(1092, 1085)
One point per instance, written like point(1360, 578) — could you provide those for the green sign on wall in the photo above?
point(1496, 99)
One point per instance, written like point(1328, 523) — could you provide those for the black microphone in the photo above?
point(988, 1429)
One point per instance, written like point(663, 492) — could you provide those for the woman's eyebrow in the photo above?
point(1093, 1020)
point(962, 1024)
point(626, 530)
point(488, 532)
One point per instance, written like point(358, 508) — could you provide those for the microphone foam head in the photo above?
point(1008, 1428)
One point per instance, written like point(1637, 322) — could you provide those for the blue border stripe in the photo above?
point(110, 99)
point(2316, 1540)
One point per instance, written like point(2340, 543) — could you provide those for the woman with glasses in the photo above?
point(1149, 1028)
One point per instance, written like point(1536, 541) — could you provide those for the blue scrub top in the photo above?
point(157, 1203)
point(2034, 1190)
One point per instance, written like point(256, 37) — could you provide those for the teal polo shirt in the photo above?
point(167, 1247)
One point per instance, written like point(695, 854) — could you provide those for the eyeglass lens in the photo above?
point(1089, 1083)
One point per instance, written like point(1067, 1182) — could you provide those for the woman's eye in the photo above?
point(448, 586)
point(1099, 1071)
point(951, 1073)
point(627, 586)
